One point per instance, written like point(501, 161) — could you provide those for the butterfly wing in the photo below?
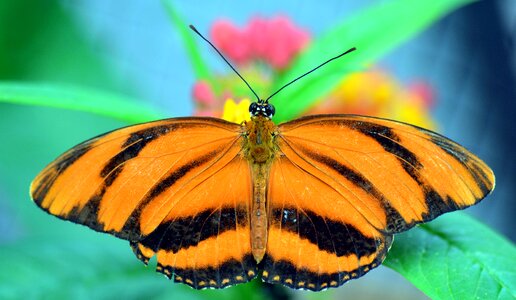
point(342, 185)
point(177, 188)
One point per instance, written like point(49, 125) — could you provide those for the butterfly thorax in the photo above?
point(259, 144)
point(259, 149)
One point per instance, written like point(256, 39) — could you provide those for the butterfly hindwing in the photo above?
point(177, 188)
point(317, 238)
point(208, 247)
point(342, 185)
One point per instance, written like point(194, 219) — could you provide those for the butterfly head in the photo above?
point(262, 108)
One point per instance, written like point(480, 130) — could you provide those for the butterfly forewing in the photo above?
point(341, 185)
point(411, 172)
point(178, 188)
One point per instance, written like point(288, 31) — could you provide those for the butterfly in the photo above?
point(310, 203)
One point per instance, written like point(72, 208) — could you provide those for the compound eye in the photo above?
point(270, 110)
point(253, 108)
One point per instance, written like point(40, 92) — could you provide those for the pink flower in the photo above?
point(276, 41)
point(231, 41)
point(283, 40)
point(202, 93)
point(258, 32)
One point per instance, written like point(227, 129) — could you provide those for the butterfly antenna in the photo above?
point(213, 46)
point(291, 82)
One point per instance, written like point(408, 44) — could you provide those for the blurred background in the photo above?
point(460, 70)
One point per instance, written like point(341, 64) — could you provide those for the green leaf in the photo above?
point(456, 257)
point(78, 98)
point(201, 69)
point(374, 32)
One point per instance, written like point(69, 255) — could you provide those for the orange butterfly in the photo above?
point(309, 203)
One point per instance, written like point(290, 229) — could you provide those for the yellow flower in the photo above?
point(376, 93)
point(236, 113)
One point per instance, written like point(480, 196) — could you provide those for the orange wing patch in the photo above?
point(169, 188)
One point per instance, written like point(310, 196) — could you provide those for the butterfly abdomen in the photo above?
point(259, 218)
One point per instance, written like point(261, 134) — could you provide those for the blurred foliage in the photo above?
point(41, 256)
point(39, 41)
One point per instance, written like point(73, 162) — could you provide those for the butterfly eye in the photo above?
point(269, 111)
point(263, 109)
point(253, 108)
